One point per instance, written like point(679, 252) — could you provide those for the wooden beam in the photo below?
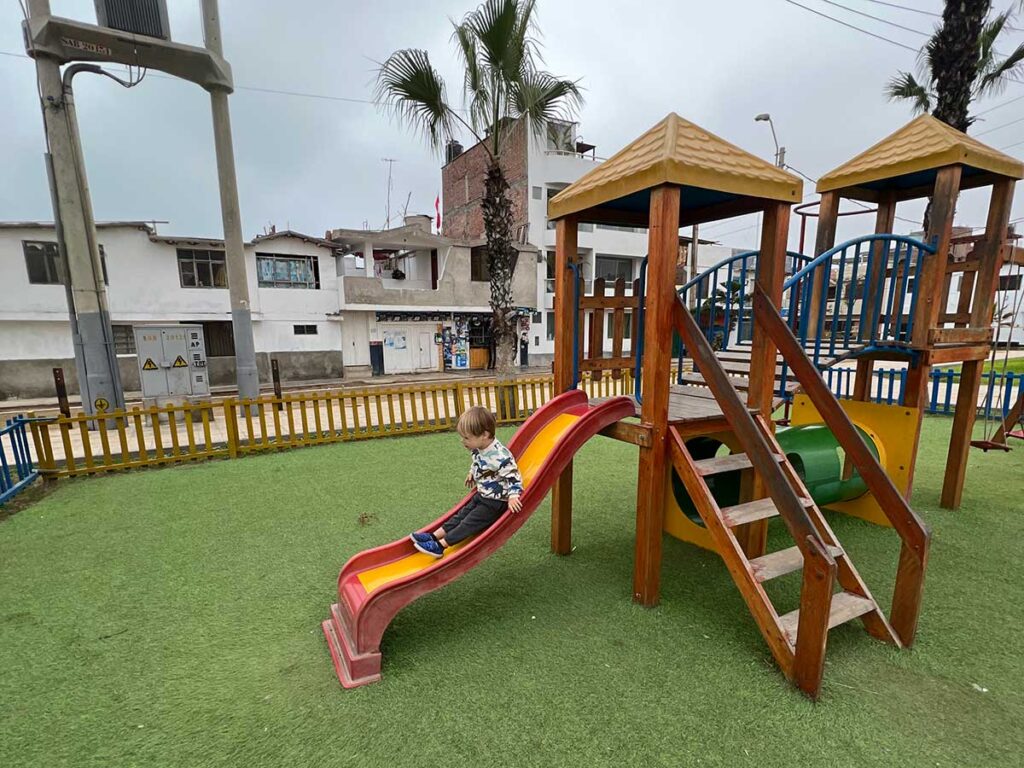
point(828, 217)
point(815, 606)
point(960, 437)
point(607, 363)
point(959, 335)
point(770, 274)
point(931, 272)
point(629, 432)
point(663, 252)
point(990, 253)
point(885, 218)
point(566, 251)
point(940, 355)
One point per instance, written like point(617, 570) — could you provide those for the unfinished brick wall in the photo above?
point(462, 185)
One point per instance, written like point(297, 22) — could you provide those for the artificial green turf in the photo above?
point(171, 617)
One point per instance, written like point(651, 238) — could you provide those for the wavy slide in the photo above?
point(375, 585)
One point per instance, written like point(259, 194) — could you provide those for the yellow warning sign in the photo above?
point(179, 362)
point(149, 365)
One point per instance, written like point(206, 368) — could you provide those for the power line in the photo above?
point(997, 127)
point(926, 13)
point(877, 18)
point(998, 106)
point(852, 26)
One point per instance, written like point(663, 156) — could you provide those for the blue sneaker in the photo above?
point(432, 547)
point(421, 537)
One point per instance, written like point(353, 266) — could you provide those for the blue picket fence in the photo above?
point(16, 476)
point(1000, 391)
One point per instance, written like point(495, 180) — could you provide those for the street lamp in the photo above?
point(780, 152)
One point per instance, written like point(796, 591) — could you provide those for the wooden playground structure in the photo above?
point(759, 328)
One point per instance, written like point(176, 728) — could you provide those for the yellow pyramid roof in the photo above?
point(908, 159)
point(675, 151)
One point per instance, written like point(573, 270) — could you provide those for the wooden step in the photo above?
point(752, 511)
point(716, 465)
point(845, 606)
point(776, 564)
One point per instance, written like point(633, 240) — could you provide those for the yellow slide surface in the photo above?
point(530, 462)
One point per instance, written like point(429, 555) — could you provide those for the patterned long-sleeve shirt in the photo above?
point(495, 472)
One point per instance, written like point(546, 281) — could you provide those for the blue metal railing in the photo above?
point(19, 472)
point(887, 386)
point(721, 298)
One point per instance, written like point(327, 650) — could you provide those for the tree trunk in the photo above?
point(501, 263)
point(955, 66)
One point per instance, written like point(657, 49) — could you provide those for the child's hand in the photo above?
point(515, 504)
point(469, 480)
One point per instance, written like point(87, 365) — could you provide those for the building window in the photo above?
point(305, 330)
point(478, 270)
point(627, 325)
point(611, 268)
point(202, 269)
point(287, 271)
point(1009, 283)
point(124, 340)
point(538, 193)
point(44, 266)
point(551, 326)
point(220, 338)
point(560, 136)
point(537, 317)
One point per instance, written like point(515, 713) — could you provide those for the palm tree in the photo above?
point(502, 85)
point(959, 64)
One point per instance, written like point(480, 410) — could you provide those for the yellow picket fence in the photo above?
point(68, 446)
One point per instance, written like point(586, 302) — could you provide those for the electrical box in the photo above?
point(172, 363)
point(141, 17)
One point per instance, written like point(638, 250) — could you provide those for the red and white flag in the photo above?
point(437, 209)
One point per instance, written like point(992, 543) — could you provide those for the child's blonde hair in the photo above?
point(476, 422)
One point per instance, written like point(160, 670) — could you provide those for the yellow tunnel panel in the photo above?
point(529, 463)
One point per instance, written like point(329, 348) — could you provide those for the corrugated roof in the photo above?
point(99, 225)
point(909, 157)
point(676, 151)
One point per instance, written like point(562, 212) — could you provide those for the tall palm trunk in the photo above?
point(501, 261)
point(954, 59)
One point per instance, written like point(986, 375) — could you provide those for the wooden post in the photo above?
point(828, 216)
point(566, 233)
point(990, 252)
point(663, 250)
point(770, 275)
point(885, 218)
point(933, 271)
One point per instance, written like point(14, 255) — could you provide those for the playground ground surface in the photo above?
point(171, 618)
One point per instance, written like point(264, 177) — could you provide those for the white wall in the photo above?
point(145, 287)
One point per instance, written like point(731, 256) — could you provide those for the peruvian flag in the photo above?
point(437, 210)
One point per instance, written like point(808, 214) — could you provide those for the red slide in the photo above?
point(375, 585)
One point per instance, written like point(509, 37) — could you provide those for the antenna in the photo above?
point(391, 162)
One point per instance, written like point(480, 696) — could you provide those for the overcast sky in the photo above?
point(314, 163)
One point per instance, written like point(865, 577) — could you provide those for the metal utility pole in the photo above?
point(693, 253)
point(391, 162)
point(234, 248)
point(99, 380)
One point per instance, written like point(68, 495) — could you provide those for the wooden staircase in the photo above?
point(832, 591)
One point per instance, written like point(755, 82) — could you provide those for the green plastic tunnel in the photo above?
point(813, 451)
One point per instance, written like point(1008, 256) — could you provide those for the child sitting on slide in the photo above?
point(498, 482)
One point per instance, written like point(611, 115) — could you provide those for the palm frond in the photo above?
point(541, 97)
point(412, 89)
point(497, 26)
point(476, 80)
point(905, 87)
point(994, 80)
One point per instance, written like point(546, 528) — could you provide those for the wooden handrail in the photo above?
point(913, 532)
point(906, 522)
point(750, 436)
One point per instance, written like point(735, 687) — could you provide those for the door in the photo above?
point(426, 347)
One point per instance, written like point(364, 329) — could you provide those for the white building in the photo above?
point(315, 308)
